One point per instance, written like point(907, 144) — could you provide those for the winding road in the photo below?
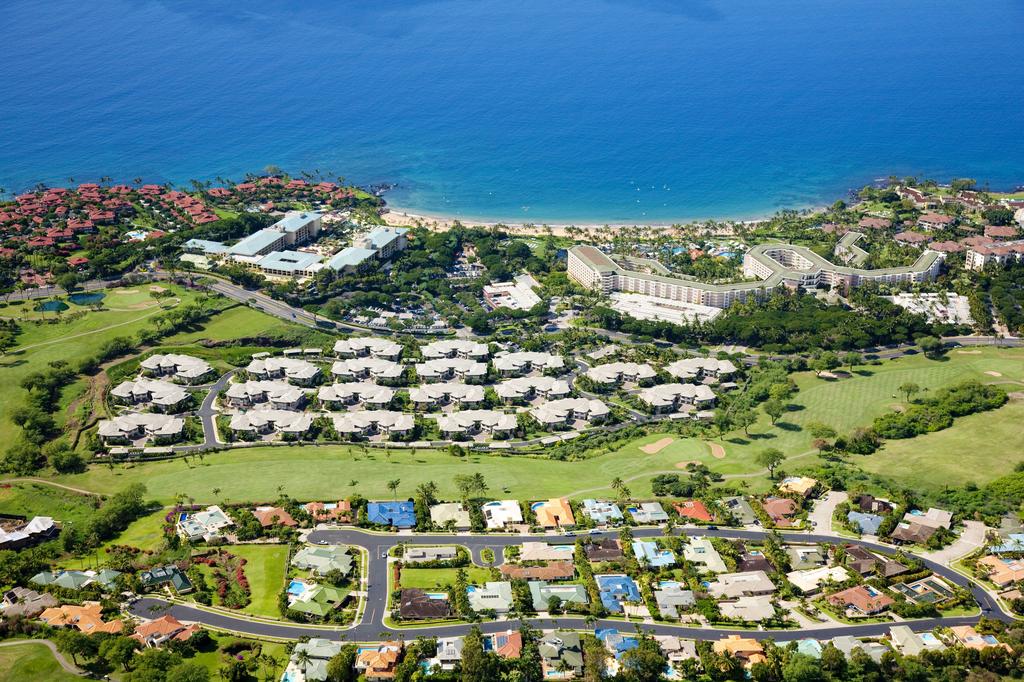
point(372, 627)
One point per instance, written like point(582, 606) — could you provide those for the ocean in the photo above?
point(533, 110)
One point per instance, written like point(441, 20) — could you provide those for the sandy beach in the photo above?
point(590, 231)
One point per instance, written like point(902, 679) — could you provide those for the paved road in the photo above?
point(64, 663)
point(378, 545)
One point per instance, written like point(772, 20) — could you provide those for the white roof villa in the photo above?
point(446, 393)
point(358, 392)
point(526, 362)
point(443, 369)
point(162, 394)
point(293, 369)
point(701, 552)
point(499, 513)
point(204, 525)
point(373, 368)
point(810, 580)
point(368, 345)
point(450, 512)
point(676, 397)
point(528, 388)
point(183, 368)
point(701, 368)
point(568, 410)
point(280, 395)
point(147, 426)
point(750, 609)
point(266, 421)
point(648, 512)
point(496, 596)
point(455, 348)
point(619, 372)
point(369, 422)
point(745, 584)
point(471, 422)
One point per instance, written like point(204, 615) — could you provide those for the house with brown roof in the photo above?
point(934, 221)
point(1000, 232)
point(911, 238)
point(329, 512)
point(780, 510)
point(555, 570)
point(507, 644)
point(746, 649)
point(416, 604)
point(553, 513)
point(862, 599)
point(379, 663)
point(864, 562)
point(694, 509)
point(163, 629)
point(874, 223)
point(608, 549)
point(21, 601)
point(274, 516)
point(88, 618)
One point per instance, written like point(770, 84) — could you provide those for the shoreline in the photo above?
point(399, 217)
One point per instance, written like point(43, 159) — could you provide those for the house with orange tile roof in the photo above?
point(1003, 572)
point(163, 629)
point(88, 618)
point(554, 513)
point(270, 516)
point(967, 636)
point(379, 663)
point(746, 649)
point(507, 644)
point(694, 509)
point(863, 599)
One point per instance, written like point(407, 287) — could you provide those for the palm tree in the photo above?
point(302, 659)
point(393, 487)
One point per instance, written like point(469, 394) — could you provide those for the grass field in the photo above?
point(31, 662)
point(254, 474)
point(979, 448)
point(235, 323)
point(265, 570)
point(439, 578)
point(33, 499)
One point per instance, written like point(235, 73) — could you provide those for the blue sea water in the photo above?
point(599, 110)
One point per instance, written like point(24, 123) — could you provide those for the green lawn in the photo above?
point(440, 578)
point(265, 570)
point(31, 662)
point(235, 323)
point(979, 448)
point(34, 499)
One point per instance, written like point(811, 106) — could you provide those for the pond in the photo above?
point(86, 298)
point(52, 306)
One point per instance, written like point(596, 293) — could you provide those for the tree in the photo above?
point(235, 671)
point(645, 663)
point(75, 643)
point(824, 362)
point(188, 671)
point(909, 388)
point(819, 430)
point(341, 667)
point(393, 487)
point(770, 459)
point(931, 345)
point(476, 665)
point(774, 409)
point(68, 281)
point(744, 418)
point(619, 486)
point(852, 359)
point(118, 651)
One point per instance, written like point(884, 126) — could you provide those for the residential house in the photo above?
point(388, 424)
point(448, 369)
point(321, 560)
point(542, 551)
point(18, 534)
point(336, 396)
point(373, 369)
point(76, 580)
point(452, 514)
point(294, 370)
point(910, 643)
point(26, 603)
point(868, 524)
point(524, 389)
point(700, 552)
point(694, 510)
point(259, 422)
point(379, 663)
point(864, 562)
point(648, 513)
point(455, 348)
point(204, 525)
point(617, 644)
point(447, 655)
point(602, 512)
point(781, 511)
point(508, 644)
point(163, 629)
point(329, 512)
point(672, 599)
point(554, 513)
point(278, 394)
point(498, 514)
point(805, 556)
point(183, 368)
point(492, 596)
point(1002, 572)
point(395, 514)
point(163, 396)
point(967, 636)
point(801, 486)
point(561, 655)
point(848, 645)
point(617, 590)
point(419, 555)
point(863, 600)
point(607, 549)
point(754, 560)
point(648, 554)
point(169, 575)
point(665, 398)
point(928, 590)
point(749, 651)
point(615, 373)
point(749, 609)
point(555, 570)
point(309, 660)
point(363, 346)
point(810, 581)
point(87, 618)
point(740, 510)
point(317, 601)
point(477, 422)
point(462, 396)
point(416, 604)
point(542, 592)
point(747, 584)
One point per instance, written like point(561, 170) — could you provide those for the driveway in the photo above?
point(821, 516)
point(971, 538)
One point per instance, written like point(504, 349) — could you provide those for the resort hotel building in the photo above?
point(769, 266)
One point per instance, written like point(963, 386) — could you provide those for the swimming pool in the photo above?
point(296, 587)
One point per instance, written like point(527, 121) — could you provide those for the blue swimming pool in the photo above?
point(296, 587)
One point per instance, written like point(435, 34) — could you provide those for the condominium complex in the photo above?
point(773, 266)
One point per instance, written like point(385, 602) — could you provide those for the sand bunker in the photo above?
point(657, 446)
point(683, 465)
point(156, 288)
point(969, 352)
point(993, 374)
point(717, 451)
point(124, 292)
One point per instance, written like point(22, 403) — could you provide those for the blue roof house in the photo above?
point(616, 589)
point(396, 514)
point(648, 554)
point(616, 642)
point(868, 523)
point(1014, 543)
